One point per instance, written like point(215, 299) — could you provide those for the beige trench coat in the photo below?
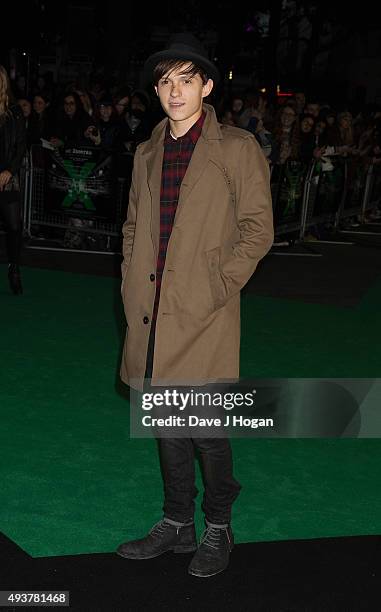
point(223, 227)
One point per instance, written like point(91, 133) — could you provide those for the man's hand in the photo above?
point(5, 177)
point(92, 132)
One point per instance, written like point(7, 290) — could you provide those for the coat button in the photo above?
point(145, 320)
point(152, 277)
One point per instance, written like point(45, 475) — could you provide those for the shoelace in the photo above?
point(211, 537)
point(159, 528)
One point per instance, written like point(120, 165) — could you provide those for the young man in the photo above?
point(199, 221)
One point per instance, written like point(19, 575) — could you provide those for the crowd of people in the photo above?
point(119, 117)
point(301, 129)
point(116, 120)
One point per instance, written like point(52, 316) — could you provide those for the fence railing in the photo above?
point(78, 196)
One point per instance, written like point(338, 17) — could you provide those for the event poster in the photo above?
point(80, 182)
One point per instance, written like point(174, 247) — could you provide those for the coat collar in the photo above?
point(210, 131)
point(154, 151)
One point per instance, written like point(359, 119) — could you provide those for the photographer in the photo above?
point(105, 132)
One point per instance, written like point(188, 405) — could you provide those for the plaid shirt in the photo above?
point(177, 155)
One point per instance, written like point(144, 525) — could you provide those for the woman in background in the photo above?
point(39, 124)
point(12, 148)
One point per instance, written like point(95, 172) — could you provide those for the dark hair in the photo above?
point(170, 65)
point(142, 96)
point(307, 116)
point(295, 130)
point(122, 92)
point(42, 94)
point(79, 110)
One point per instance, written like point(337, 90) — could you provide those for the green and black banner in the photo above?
point(80, 182)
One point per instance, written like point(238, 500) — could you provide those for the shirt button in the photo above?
point(145, 320)
point(152, 277)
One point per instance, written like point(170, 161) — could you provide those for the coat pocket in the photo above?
point(217, 288)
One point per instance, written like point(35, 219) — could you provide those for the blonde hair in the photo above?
point(4, 91)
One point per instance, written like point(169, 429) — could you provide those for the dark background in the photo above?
point(329, 50)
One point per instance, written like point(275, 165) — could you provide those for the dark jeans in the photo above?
point(177, 458)
point(10, 214)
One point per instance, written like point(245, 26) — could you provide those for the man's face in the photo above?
point(105, 111)
point(181, 96)
point(306, 125)
point(288, 116)
point(25, 107)
point(69, 106)
point(39, 104)
point(121, 105)
point(313, 109)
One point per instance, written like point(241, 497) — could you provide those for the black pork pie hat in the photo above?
point(183, 46)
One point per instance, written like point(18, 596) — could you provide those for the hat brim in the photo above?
point(196, 59)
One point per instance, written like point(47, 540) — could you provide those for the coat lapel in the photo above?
point(202, 153)
point(195, 170)
point(197, 166)
point(154, 170)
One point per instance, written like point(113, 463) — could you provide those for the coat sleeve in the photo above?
point(18, 151)
point(128, 229)
point(254, 219)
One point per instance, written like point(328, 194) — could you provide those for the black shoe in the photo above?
point(212, 556)
point(163, 537)
point(14, 278)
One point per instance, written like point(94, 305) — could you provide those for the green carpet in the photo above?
point(74, 482)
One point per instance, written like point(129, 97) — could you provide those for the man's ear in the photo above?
point(207, 88)
point(156, 90)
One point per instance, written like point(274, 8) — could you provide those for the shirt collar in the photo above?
point(192, 134)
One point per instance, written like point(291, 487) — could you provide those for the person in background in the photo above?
point(72, 122)
point(106, 130)
point(300, 102)
point(40, 125)
point(320, 132)
point(227, 117)
point(312, 108)
point(26, 109)
point(286, 137)
point(236, 108)
point(87, 101)
point(255, 106)
point(122, 101)
point(136, 126)
point(263, 136)
point(12, 149)
point(307, 138)
point(20, 87)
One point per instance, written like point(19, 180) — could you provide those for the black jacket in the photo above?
point(12, 140)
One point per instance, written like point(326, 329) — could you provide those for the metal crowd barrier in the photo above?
point(74, 217)
point(290, 187)
point(350, 189)
point(324, 196)
point(304, 195)
point(369, 197)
